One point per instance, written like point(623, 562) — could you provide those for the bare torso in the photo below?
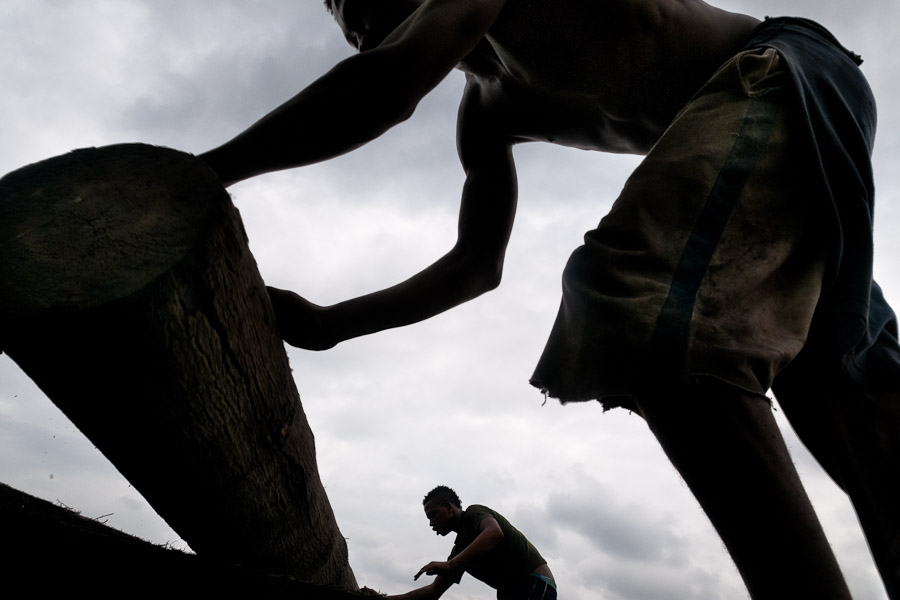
point(605, 75)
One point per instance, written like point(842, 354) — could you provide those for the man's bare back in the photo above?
point(606, 76)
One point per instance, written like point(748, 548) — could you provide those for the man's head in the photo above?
point(366, 23)
point(442, 495)
point(443, 509)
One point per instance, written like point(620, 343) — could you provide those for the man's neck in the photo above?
point(457, 518)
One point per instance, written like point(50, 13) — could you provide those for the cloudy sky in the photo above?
point(446, 401)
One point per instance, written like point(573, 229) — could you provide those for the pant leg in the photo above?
point(530, 588)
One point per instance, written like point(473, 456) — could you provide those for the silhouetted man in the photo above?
point(736, 259)
point(487, 547)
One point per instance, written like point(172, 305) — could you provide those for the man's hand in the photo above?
point(435, 568)
point(432, 591)
point(301, 323)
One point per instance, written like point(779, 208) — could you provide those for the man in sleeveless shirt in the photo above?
point(487, 547)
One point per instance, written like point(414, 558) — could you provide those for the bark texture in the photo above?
point(129, 295)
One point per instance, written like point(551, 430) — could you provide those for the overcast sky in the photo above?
point(446, 401)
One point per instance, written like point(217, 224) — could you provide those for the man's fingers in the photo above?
point(426, 569)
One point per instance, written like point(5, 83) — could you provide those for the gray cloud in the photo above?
point(618, 528)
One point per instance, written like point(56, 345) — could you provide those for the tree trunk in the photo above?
point(129, 295)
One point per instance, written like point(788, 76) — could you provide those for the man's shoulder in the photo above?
point(493, 107)
point(476, 513)
point(479, 509)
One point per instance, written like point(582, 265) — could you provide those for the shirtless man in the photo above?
point(698, 291)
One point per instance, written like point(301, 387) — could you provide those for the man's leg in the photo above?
point(727, 447)
point(855, 435)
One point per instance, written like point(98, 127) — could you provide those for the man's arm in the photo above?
point(361, 97)
point(432, 591)
point(472, 267)
point(489, 535)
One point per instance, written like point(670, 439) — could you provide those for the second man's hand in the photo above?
point(434, 568)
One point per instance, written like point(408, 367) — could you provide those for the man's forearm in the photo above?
point(350, 105)
point(362, 96)
point(416, 594)
point(449, 282)
point(486, 540)
point(433, 591)
point(472, 267)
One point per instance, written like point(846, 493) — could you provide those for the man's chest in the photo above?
point(523, 112)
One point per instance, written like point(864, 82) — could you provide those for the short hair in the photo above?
point(329, 6)
point(443, 495)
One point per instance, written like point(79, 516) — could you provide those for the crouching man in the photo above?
point(487, 547)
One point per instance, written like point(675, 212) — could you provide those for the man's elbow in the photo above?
point(496, 535)
point(376, 118)
point(485, 277)
point(476, 271)
point(492, 279)
point(378, 96)
point(392, 109)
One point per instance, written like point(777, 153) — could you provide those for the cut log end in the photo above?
point(94, 225)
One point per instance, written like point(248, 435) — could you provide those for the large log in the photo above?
point(129, 295)
point(52, 551)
